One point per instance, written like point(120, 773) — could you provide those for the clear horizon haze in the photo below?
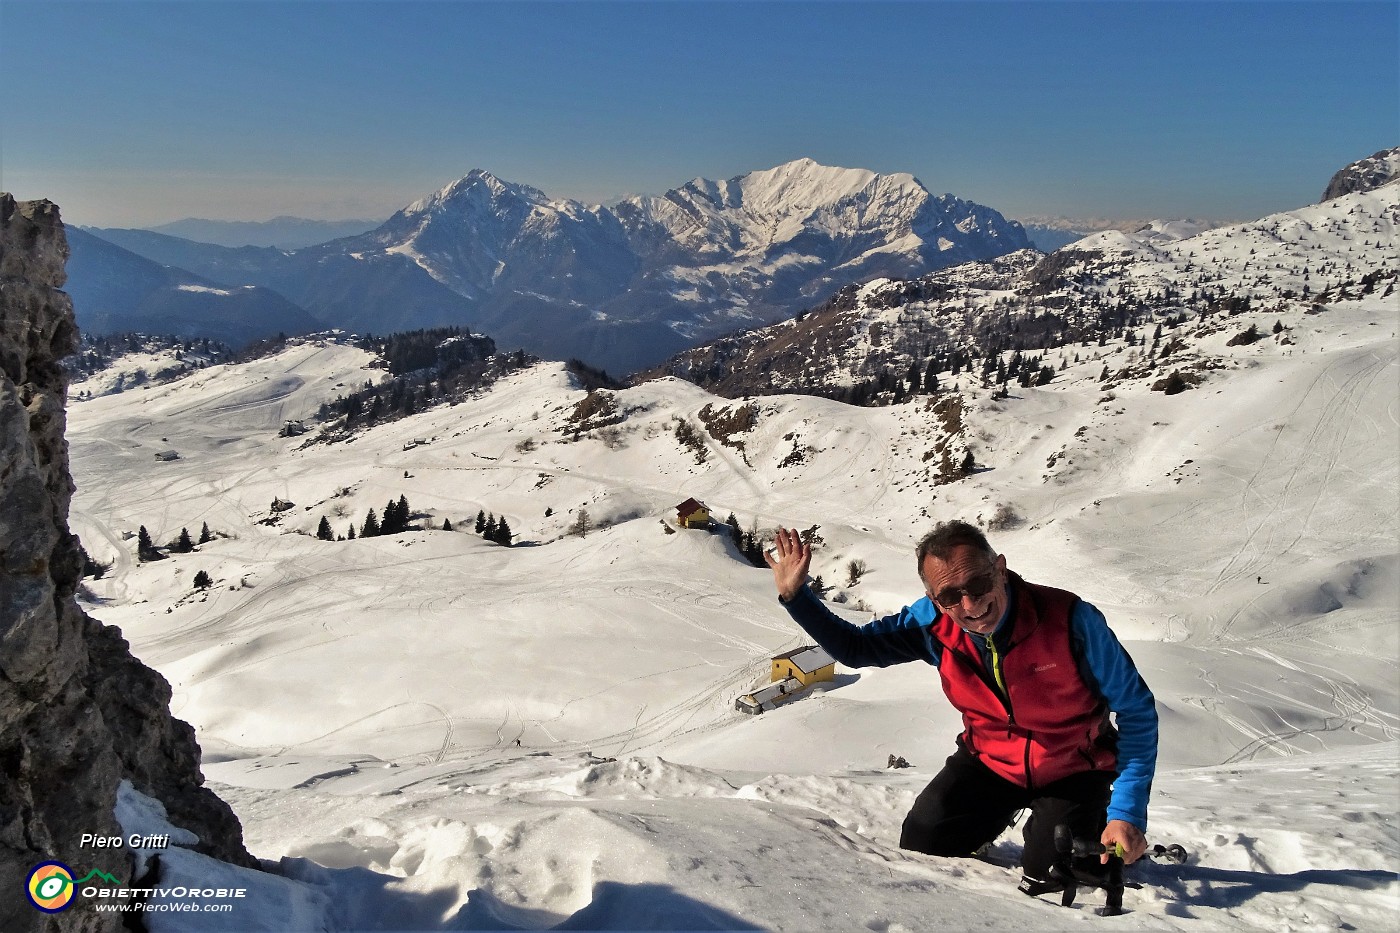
point(138, 113)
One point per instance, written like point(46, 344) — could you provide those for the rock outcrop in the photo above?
point(78, 713)
point(1366, 175)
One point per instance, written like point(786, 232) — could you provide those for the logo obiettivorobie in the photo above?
point(50, 887)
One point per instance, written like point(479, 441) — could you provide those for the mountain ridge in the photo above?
point(622, 286)
point(871, 336)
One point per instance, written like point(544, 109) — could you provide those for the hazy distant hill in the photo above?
point(115, 290)
point(281, 232)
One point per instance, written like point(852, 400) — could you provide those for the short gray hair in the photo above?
point(945, 536)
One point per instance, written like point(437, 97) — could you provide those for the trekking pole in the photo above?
point(1064, 870)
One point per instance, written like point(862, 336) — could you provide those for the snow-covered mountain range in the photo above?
point(425, 730)
point(1061, 305)
point(618, 286)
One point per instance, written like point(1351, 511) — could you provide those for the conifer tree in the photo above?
point(204, 536)
point(503, 534)
point(480, 521)
point(753, 545)
point(350, 535)
point(145, 548)
point(447, 524)
point(403, 512)
point(490, 531)
point(184, 544)
point(202, 580)
point(371, 526)
point(323, 531)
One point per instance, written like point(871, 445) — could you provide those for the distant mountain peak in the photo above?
point(477, 186)
point(804, 184)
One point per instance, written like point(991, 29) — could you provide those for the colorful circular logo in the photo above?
point(50, 887)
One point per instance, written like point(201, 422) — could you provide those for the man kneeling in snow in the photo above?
point(1035, 672)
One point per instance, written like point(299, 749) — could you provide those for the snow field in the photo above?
point(359, 702)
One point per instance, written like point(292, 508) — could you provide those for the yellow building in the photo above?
point(807, 665)
point(793, 673)
point(692, 513)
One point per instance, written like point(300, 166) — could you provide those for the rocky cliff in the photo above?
point(77, 712)
point(1365, 175)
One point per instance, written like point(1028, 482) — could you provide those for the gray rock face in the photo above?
point(77, 712)
point(1365, 175)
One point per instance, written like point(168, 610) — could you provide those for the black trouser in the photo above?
point(968, 805)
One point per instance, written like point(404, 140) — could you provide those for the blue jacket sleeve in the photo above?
point(1117, 680)
point(891, 640)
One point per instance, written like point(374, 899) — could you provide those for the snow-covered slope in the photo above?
point(360, 702)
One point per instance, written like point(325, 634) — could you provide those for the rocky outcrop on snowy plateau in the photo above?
point(1365, 175)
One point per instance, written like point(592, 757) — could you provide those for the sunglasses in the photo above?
point(977, 587)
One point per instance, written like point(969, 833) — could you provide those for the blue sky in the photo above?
point(130, 113)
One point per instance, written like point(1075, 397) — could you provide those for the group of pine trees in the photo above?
point(749, 543)
point(428, 366)
point(146, 549)
point(396, 518)
point(493, 529)
point(96, 352)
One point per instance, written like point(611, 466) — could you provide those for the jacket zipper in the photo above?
point(1010, 713)
point(998, 685)
point(1000, 681)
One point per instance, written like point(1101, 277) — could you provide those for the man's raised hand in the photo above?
point(790, 558)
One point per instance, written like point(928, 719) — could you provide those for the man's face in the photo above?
point(968, 571)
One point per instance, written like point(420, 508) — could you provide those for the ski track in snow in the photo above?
point(1326, 435)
